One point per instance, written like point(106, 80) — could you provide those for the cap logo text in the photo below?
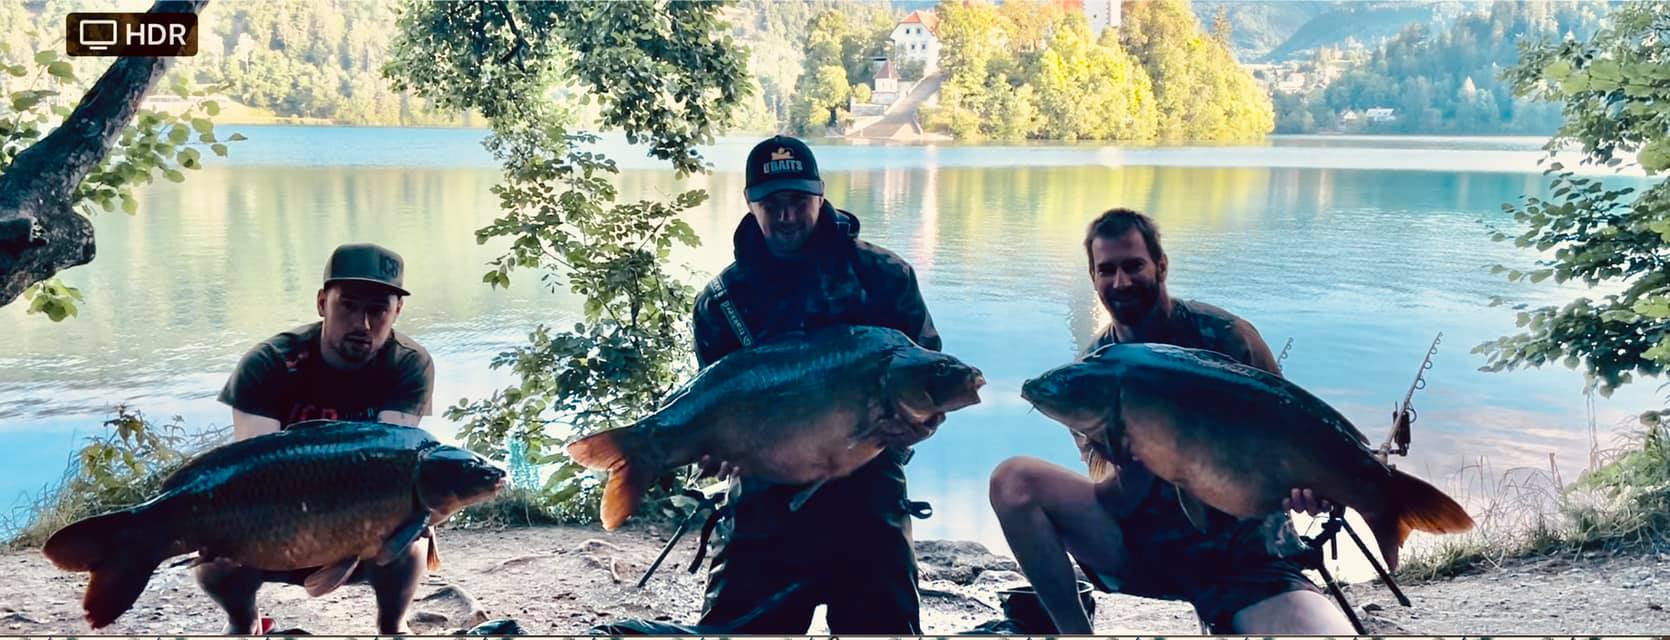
point(782, 162)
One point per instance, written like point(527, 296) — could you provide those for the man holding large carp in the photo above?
point(350, 365)
point(800, 266)
point(1197, 448)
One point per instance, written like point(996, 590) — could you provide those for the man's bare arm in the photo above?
point(249, 425)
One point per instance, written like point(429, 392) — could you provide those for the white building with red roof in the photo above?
point(916, 37)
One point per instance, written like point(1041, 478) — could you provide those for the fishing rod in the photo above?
point(1333, 523)
point(1283, 355)
point(1404, 414)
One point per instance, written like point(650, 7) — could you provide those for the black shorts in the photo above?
point(1235, 564)
point(1221, 594)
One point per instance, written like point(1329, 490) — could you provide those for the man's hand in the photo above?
point(721, 469)
point(1306, 502)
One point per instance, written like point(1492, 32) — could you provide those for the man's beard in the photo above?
point(1134, 304)
point(788, 241)
point(355, 352)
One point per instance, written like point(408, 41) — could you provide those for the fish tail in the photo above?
point(630, 473)
point(87, 544)
point(113, 589)
point(1415, 505)
point(120, 561)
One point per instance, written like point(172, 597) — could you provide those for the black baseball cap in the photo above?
point(781, 163)
point(366, 262)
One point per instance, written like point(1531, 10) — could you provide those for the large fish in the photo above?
point(1235, 437)
point(320, 494)
point(799, 410)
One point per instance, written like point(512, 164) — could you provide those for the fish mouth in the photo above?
point(1052, 412)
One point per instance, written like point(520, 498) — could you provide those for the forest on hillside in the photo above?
point(1018, 69)
point(1450, 79)
point(1029, 70)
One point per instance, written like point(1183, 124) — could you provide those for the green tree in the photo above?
point(1028, 23)
point(861, 92)
point(971, 36)
point(839, 48)
point(1091, 91)
point(666, 74)
point(1222, 30)
point(1474, 50)
point(64, 159)
point(775, 34)
point(1615, 92)
point(821, 93)
point(1200, 90)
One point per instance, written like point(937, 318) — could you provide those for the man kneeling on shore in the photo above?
point(1126, 528)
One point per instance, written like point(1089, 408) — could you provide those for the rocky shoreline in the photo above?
point(565, 580)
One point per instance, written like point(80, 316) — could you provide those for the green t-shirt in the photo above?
point(286, 379)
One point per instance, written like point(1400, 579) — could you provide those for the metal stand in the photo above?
point(704, 504)
point(1330, 530)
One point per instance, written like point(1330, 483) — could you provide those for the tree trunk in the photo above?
point(40, 231)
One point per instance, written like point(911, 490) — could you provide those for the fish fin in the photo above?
point(327, 579)
point(402, 538)
point(114, 588)
point(1100, 468)
point(603, 451)
point(120, 550)
point(629, 478)
point(86, 545)
point(1415, 505)
point(801, 496)
point(434, 555)
point(1193, 509)
point(1388, 535)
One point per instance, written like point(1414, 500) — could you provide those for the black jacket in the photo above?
point(841, 280)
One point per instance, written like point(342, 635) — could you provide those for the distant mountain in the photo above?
point(1259, 27)
point(1276, 31)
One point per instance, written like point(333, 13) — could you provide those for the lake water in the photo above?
point(1358, 249)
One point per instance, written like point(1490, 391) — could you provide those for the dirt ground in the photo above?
point(564, 580)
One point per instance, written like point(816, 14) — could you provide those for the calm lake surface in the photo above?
point(1358, 249)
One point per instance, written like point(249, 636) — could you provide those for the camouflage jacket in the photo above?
point(842, 281)
point(1150, 511)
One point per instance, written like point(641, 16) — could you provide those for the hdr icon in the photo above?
point(131, 34)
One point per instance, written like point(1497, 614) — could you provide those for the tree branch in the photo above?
point(40, 231)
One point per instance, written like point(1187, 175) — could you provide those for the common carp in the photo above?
point(1235, 437)
point(798, 410)
point(320, 494)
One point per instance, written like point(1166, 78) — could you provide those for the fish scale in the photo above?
point(800, 410)
point(1236, 438)
point(342, 485)
point(773, 363)
point(321, 494)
